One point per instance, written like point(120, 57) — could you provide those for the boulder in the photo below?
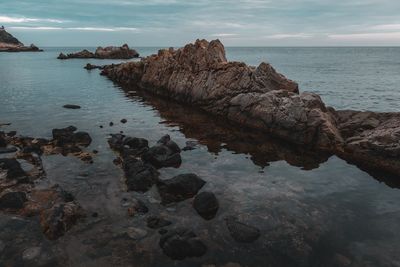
point(206, 205)
point(137, 208)
point(165, 153)
point(140, 177)
point(242, 232)
point(179, 244)
point(13, 200)
point(179, 188)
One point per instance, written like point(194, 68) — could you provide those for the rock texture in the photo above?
point(109, 52)
point(262, 99)
point(9, 43)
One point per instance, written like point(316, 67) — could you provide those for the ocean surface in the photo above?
point(312, 210)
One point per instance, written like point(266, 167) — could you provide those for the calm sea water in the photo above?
point(311, 210)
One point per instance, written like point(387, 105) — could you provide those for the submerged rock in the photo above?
point(179, 244)
point(57, 220)
point(156, 222)
point(13, 200)
point(206, 205)
point(242, 232)
point(139, 176)
point(179, 188)
point(262, 99)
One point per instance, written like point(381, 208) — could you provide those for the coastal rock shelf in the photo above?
point(262, 99)
point(109, 52)
point(9, 43)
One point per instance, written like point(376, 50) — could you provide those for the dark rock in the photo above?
point(57, 220)
point(11, 133)
point(62, 56)
point(241, 232)
point(95, 151)
point(13, 200)
point(206, 205)
point(12, 168)
point(155, 222)
point(70, 106)
point(110, 52)
point(91, 67)
point(190, 145)
point(111, 123)
point(162, 231)
point(116, 141)
point(2, 142)
point(82, 138)
point(8, 150)
point(179, 188)
point(95, 215)
point(164, 154)
point(139, 176)
point(101, 126)
point(179, 244)
point(124, 121)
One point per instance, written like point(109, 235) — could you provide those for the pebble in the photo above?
point(31, 253)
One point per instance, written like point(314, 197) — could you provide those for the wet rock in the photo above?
point(156, 222)
point(140, 177)
point(111, 123)
point(137, 208)
point(82, 139)
point(190, 145)
point(124, 121)
point(11, 133)
point(13, 200)
point(179, 244)
point(242, 232)
point(91, 67)
point(164, 154)
point(70, 106)
point(134, 146)
point(12, 168)
point(62, 56)
point(57, 220)
point(66, 137)
point(116, 141)
point(179, 188)
point(136, 233)
point(206, 205)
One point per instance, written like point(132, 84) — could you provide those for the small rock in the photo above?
point(137, 207)
point(124, 121)
point(12, 168)
point(179, 188)
point(31, 253)
point(136, 233)
point(70, 106)
point(101, 126)
point(206, 205)
point(179, 244)
point(13, 200)
point(190, 145)
point(155, 222)
point(241, 232)
point(11, 133)
point(95, 151)
point(111, 123)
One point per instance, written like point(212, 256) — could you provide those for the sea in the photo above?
point(311, 210)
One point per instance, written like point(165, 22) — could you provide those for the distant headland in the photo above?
point(9, 43)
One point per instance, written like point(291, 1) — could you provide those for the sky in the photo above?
point(177, 22)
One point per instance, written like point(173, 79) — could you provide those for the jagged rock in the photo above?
point(262, 99)
point(70, 106)
point(155, 222)
point(12, 168)
point(91, 67)
point(57, 220)
point(179, 244)
point(206, 205)
point(2, 142)
point(13, 200)
point(179, 188)
point(109, 52)
point(242, 232)
point(165, 153)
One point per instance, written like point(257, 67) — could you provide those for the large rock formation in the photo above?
point(260, 98)
point(109, 52)
point(9, 43)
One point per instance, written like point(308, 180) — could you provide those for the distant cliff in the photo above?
point(9, 43)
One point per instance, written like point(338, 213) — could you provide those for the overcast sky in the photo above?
point(176, 22)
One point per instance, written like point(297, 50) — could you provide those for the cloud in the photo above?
point(386, 27)
point(224, 34)
point(381, 37)
point(94, 29)
point(289, 36)
point(5, 19)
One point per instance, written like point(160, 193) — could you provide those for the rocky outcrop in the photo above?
point(109, 52)
point(9, 43)
point(262, 99)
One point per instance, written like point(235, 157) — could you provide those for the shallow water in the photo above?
point(312, 210)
